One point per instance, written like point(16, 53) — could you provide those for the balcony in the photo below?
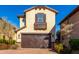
point(40, 26)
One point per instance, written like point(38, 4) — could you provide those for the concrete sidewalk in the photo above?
point(28, 51)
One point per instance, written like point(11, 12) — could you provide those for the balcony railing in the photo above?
point(40, 26)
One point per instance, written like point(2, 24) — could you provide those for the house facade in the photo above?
point(70, 27)
point(37, 27)
point(7, 31)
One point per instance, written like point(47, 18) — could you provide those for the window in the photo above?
point(18, 36)
point(40, 17)
point(24, 21)
point(40, 22)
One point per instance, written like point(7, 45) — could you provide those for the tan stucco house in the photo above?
point(37, 27)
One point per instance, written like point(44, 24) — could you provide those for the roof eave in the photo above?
point(20, 16)
point(44, 6)
point(70, 14)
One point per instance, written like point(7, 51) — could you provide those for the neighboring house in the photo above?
point(37, 26)
point(70, 27)
point(7, 31)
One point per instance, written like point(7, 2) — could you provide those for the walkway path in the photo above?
point(27, 51)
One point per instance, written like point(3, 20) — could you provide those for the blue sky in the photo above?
point(11, 12)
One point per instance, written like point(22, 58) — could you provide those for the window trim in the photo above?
point(36, 18)
point(36, 24)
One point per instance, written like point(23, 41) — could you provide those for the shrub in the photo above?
point(6, 41)
point(6, 44)
point(65, 50)
point(74, 44)
point(11, 42)
point(1, 40)
point(58, 47)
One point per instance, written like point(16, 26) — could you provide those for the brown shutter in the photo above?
point(35, 18)
point(45, 18)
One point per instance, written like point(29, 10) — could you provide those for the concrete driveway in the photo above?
point(27, 51)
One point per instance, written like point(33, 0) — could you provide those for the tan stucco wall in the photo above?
point(30, 20)
point(21, 22)
point(19, 33)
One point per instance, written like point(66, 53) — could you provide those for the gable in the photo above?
point(41, 7)
point(30, 19)
point(37, 8)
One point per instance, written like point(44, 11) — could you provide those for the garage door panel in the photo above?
point(34, 41)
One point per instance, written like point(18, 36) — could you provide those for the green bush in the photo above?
point(11, 42)
point(1, 40)
point(74, 44)
point(65, 50)
point(58, 47)
point(6, 41)
point(7, 44)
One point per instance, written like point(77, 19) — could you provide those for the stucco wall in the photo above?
point(21, 22)
point(30, 20)
point(19, 33)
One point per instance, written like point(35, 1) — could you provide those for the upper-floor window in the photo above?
point(40, 17)
point(24, 21)
point(40, 21)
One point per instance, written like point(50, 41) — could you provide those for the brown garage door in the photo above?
point(35, 40)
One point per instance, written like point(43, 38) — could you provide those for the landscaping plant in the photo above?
point(6, 44)
point(74, 44)
point(58, 46)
